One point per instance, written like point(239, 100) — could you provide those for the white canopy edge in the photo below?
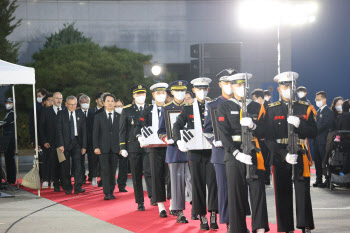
point(16, 74)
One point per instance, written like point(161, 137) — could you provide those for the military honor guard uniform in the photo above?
point(175, 158)
point(202, 170)
point(230, 125)
point(276, 124)
point(218, 151)
point(130, 146)
point(159, 169)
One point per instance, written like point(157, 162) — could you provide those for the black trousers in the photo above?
point(43, 167)
point(220, 171)
point(282, 174)
point(140, 161)
point(238, 198)
point(319, 153)
point(83, 170)
point(158, 172)
point(203, 174)
point(52, 165)
point(10, 162)
point(167, 182)
point(93, 163)
point(109, 164)
point(123, 171)
point(72, 152)
point(266, 155)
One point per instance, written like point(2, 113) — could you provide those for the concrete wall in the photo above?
point(165, 29)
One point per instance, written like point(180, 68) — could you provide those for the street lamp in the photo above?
point(156, 70)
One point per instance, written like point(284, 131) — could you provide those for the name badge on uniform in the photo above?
point(321, 115)
point(206, 113)
point(77, 118)
point(234, 112)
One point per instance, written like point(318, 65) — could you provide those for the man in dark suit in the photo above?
point(324, 125)
point(106, 144)
point(47, 128)
point(130, 146)
point(71, 140)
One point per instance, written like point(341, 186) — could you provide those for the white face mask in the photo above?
point(160, 98)
point(286, 93)
point(201, 94)
point(301, 94)
point(339, 108)
point(39, 99)
point(239, 91)
point(319, 103)
point(267, 98)
point(140, 99)
point(227, 89)
point(119, 110)
point(179, 95)
point(85, 105)
point(8, 106)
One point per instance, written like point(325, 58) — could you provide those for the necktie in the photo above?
point(141, 108)
point(58, 109)
point(71, 122)
point(110, 121)
point(85, 112)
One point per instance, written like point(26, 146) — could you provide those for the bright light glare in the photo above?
point(266, 14)
point(156, 70)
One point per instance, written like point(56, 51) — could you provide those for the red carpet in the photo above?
point(122, 211)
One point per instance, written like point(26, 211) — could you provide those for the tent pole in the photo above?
point(16, 142)
point(36, 131)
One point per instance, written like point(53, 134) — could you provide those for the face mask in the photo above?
point(202, 94)
point(286, 93)
point(119, 110)
point(179, 95)
point(39, 99)
point(140, 99)
point(319, 103)
point(301, 94)
point(160, 98)
point(227, 89)
point(85, 105)
point(267, 98)
point(8, 106)
point(239, 91)
point(339, 108)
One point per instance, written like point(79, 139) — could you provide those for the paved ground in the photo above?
point(331, 212)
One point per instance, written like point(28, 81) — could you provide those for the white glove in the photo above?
point(124, 153)
point(217, 143)
point(291, 158)
point(293, 120)
point(142, 141)
point(181, 146)
point(169, 141)
point(247, 121)
point(243, 158)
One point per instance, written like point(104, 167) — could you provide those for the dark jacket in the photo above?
point(325, 121)
point(48, 126)
point(63, 129)
point(89, 125)
point(104, 137)
point(343, 121)
point(8, 129)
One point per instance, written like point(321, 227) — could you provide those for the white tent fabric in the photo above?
point(16, 74)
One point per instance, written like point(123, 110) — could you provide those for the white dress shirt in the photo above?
point(138, 106)
point(111, 115)
point(56, 108)
point(75, 122)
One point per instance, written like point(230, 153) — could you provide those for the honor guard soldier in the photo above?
point(277, 121)
point(202, 171)
point(150, 118)
point(230, 125)
point(176, 159)
point(130, 146)
point(302, 92)
point(218, 152)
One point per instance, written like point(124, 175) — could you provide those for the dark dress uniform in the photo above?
point(202, 170)
point(228, 117)
point(129, 120)
point(276, 139)
point(8, 130)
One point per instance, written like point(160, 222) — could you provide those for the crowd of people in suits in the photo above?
point(214, 174)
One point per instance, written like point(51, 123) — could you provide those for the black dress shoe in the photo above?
point(194, 217)
point(316, 184)
point(181, 217)
point(79, 191)
point(68, 191)
point(140, 207)
point(123, 190)
point(90, 179)
point(107, 197)
point(57, 189)
point(153, 203)
point(112, 197)
point(173, 212)
point(213, 221)
point(204, 223)
point(163, 214)
point(323, 185)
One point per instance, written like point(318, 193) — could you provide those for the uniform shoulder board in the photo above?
point(213, 100)
point(274, 104)
point(167, 104)
point(127, 106)
point(188, 104)
point(304, 102)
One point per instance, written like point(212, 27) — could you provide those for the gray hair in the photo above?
point(84, 97)
point(71, 97)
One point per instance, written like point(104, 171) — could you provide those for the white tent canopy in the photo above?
point(16, 74)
